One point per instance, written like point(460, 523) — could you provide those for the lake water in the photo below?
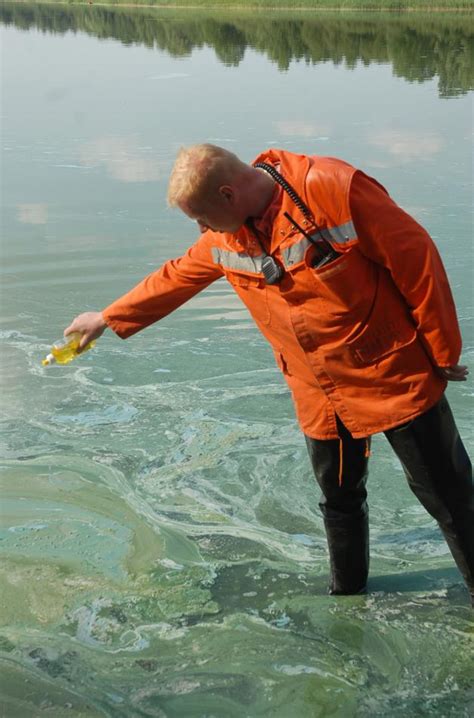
point(163, 553)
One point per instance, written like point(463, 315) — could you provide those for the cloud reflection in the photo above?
point(32, 213)
point(122, 158)
point(300, 128)
point(408, 145)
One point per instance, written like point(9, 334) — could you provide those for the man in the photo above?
point(351, 294)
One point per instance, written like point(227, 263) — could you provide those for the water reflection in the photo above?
point(123, 159)
point(32, 213)
point(407, 145)
point(419, 47)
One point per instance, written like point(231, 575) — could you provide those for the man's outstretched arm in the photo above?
point(157, 295)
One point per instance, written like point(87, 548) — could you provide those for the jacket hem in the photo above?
point(380, 429)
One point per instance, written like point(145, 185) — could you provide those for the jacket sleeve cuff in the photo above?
point(116, 325)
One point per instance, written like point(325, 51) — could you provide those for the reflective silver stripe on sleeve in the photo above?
point(239, 261)
point(294, 254)
point(339, 235)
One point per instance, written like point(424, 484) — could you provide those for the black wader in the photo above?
point(438, 471)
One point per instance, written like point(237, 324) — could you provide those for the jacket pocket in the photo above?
point(388, 327)
point(281, 363)
point(347, 283)
point(377, 342)
point(252, 291)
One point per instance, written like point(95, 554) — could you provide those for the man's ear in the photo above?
point(227, 192)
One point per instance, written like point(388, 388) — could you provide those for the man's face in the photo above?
point(219, 216)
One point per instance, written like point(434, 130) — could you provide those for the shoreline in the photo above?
point(258, 7)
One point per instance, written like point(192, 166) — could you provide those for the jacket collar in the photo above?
point(294, 168)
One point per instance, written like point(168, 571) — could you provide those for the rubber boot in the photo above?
point(348, 544)
point(439, 473)
point(340, 466)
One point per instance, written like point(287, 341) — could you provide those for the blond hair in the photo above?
point(199, 170)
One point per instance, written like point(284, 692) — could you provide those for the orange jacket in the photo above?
point(358, 337)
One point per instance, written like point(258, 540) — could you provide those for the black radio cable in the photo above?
point(325, 249)
point(286, 186)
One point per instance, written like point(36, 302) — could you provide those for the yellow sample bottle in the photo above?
point(65, 350)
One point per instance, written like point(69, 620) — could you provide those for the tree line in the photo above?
point(419, 47)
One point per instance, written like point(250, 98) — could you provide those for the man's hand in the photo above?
point(457, 372)
point(90, 325)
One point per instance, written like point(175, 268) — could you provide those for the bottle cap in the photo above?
point(50, 359)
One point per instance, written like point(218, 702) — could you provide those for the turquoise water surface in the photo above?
point(163, 551)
